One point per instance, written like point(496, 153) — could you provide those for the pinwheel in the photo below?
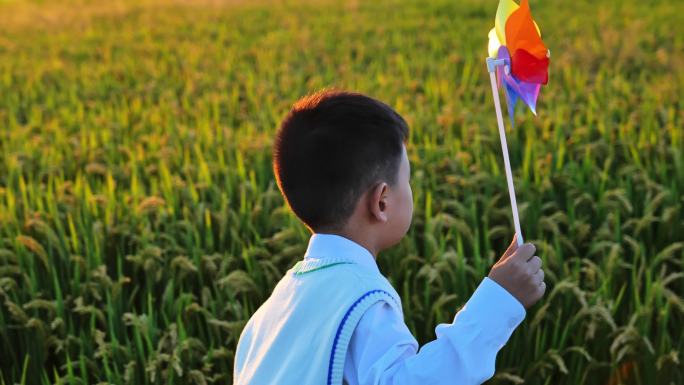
point(516, 40)
point(520, 61)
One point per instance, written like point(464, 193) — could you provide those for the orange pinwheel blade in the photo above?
point(521, 32)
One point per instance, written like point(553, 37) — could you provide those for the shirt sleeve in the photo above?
point(382, 350)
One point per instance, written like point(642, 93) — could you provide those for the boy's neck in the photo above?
point(360, 239)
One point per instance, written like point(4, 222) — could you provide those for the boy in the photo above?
point(340, 161)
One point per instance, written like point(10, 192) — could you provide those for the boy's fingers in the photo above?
point(535, 264)
point(542, 288)
point(524, 252)
point(511, 248)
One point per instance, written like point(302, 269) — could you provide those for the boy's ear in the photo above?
point(378, 201)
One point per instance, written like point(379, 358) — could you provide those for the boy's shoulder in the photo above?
point(335, 274)
point(320, 301)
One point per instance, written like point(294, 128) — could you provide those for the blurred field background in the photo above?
point(141, 226)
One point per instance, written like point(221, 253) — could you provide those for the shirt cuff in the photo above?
point(496, 311)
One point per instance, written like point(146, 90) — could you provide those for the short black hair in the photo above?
point(330, 148)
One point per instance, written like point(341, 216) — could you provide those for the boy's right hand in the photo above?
point(519, 271)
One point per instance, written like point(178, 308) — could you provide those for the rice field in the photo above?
point(141, 226)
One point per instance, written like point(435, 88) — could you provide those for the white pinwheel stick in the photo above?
point(491, 67)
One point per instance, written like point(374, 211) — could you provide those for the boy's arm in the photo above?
point(383, 351)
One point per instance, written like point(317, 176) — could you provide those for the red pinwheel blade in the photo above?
point(528, 68)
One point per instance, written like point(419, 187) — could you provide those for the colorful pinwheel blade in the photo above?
point(511, 99)
point(528, 68)
point(521, 32)
point(516, 89)
point(516, 39)
point(503, 12)
point(494, 43)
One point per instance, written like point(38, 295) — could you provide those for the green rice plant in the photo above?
point(141, 226)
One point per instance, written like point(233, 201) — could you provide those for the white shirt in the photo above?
point(382, 350)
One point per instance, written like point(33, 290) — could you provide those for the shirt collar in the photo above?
point(325, 246)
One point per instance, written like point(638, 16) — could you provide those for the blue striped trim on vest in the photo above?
point(344, 320)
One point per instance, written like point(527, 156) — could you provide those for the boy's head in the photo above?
point(339, 159)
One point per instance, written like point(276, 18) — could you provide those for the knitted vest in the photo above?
point(300, 334)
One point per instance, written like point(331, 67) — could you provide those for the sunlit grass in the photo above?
point(140, 223)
